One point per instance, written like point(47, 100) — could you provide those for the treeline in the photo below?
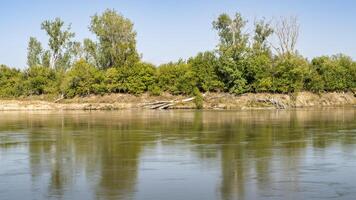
point(242, 62)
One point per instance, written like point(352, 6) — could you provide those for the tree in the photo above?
point(83, 79)
point(287, 32)
point(204, 66)
point(91, 52)
point(198, 99)
point(11, 81)
point(289, 74)
point(59, 42)
point(40, 80)
point(230, 30)
point(257, 72)
point(34, 52)
point(117, 40)
point(135, 80)
point(233, 49)
point(176, 78)
point(46, 58)
point(337, 73)
point(263, 31)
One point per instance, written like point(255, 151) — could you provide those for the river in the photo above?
point(178, 154)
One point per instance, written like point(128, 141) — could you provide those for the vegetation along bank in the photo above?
point(244, 70)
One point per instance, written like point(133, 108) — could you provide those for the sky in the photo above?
point(168, 30)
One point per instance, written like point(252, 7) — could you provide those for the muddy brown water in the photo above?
point(295, 154)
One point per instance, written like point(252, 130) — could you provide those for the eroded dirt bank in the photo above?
point(211, 101)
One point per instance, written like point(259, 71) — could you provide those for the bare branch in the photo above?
point(287, 32)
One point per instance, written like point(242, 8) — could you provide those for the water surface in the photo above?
point(303, 154)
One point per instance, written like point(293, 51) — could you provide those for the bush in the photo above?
point(154, 90)
point(231, 74)
point(258, 73)
point(337, 72)
point(314, 82)
point(204, 67)
point(198, 101)
point(176, 78)
point(40, 80)
point(11, 82)
point(289, 74)
point(136, 79)
point(83, 79)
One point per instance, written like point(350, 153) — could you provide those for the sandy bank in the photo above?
point(211, 101)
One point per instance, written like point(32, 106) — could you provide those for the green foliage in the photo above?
point(40, 80)
point(59, 42)
point(230, 31)
point(176, 78)
point(155, 90)
point(258, 72)
point(11, 82)
point(136, 79)
point(231, 73)
point(243, 68)
point(204, 66)
point(46, 58)
point(263, 31)
point(289, 74)
point(117, 40)
point(83, 79)
point(337, 73)
point(199, 100)
point(241, 63)
point(34, 51)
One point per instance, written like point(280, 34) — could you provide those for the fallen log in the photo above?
point(59, 99)
point(159, 106)
point(165, 104)
point(274, 102)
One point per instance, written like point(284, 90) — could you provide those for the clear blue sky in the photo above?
point(169, 30)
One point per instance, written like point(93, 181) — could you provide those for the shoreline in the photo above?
point(212, 101)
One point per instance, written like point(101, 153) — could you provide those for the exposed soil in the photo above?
point(211, 101)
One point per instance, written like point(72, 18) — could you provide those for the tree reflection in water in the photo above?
point(98, 154)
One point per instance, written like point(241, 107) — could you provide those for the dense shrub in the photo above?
point(289, 74)
point(83, 79)
point(204, 67)
point(40, 80)
point(258, 74)
point(135, 79)
point(337, 72)
point(176, 78)
point(11, 82)
point(198, 100)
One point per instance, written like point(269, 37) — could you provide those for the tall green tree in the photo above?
point(34, 52)
point(204, 67)
point(116, 45)
point(263, 30)
point(257, 72)
point(60, 43)
point(232, 49)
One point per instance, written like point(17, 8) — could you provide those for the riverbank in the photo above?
point(211, 101)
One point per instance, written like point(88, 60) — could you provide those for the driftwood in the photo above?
point(274, 102)
point(165, 104)
point(59, 99)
